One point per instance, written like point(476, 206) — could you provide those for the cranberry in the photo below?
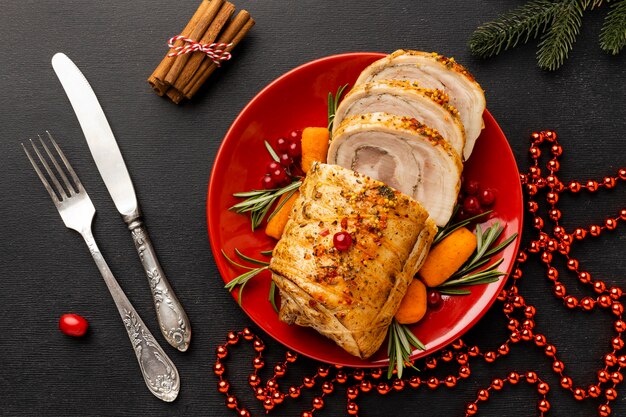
point(282, 144)
point(285, 160)
point(267, 182)
point(295, 136)
point(434, 299)
point(342, 240)
point(295, 149)
point(279, 175)
point(471, 187)
point(73, 325)
point(487, 197)
point(272, 166)
point(471, 205)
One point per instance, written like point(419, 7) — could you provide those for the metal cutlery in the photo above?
point(77, 212)
point(172, 318)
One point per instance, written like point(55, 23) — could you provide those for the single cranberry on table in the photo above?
point(342, 240)
point(73, 325)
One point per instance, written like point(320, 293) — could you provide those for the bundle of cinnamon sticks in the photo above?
point(181, 76)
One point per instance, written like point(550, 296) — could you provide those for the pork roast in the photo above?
point(403, 98)
point(431, 70)
point(404, 154)
point(350, 295)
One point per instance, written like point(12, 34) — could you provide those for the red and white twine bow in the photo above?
point(215, 51)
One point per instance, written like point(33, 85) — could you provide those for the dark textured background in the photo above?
point(169, 149)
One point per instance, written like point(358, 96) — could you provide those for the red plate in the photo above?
point(296, 100)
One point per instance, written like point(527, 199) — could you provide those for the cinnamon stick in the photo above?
point(157, 77)
point(234, 33)
point(209, 37)
point(174, 95)
point(198, 30)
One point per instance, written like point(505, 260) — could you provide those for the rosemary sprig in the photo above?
point(451, 227)
point(241, 280)
point(259, 202)
point(401, 342)
point(469, 274)
point(333, 103)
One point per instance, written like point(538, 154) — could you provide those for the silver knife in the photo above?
point(172, 318)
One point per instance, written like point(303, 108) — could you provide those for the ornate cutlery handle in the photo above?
point(159, 373)
point(172, 318)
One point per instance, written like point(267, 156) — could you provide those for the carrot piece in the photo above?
point(413, 305)
point(447, 257)
point(314, 146)
point(276, 224)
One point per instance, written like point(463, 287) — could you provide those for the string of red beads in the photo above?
point(546, 245)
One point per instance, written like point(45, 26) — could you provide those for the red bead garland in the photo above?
point(547, 245)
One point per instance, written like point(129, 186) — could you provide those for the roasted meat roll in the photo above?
point(403, 98)
point(431, 70)
point(404, 154)
point(349, 292)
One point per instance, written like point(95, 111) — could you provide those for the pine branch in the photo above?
point(559, 39)
point(518, 25)
point(613, 35)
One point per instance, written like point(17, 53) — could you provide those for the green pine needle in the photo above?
point(558, 41)
point(518, 25)
point(558, 22)
point(613, 35)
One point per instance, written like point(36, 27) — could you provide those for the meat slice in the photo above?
point(404, 154)
point(431, 70)
point(403, 98)
point(349, 296)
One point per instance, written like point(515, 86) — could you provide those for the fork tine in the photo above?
point(41, 177)
point(79, 185)
point(53, 177)
point(67, 183)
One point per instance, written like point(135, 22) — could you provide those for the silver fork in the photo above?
point(77, 211)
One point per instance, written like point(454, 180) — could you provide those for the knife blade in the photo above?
point(172, 318)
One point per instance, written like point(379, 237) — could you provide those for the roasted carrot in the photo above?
point(314, 146)
point(413, 305)
point(447, 257)
point(276, 224)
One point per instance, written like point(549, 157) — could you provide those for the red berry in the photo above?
point(471, 205)
point(342, 240)
point(295, 149)
point(73, 325)
point(471, 187)
point(272, 166)
point(434, 299)
point(267, 182)
point(282, 144)
point(285, 160)
point(487, 197)
point(295, 136)
point(279, 175)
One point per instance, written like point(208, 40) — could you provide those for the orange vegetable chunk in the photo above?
point(276, 224)
point(315, 141)
point(413, 305)
point(445, 258)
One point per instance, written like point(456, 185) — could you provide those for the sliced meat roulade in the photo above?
point(403, 98)
point(404, 154)
point(431, 70)
point(349, 293)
